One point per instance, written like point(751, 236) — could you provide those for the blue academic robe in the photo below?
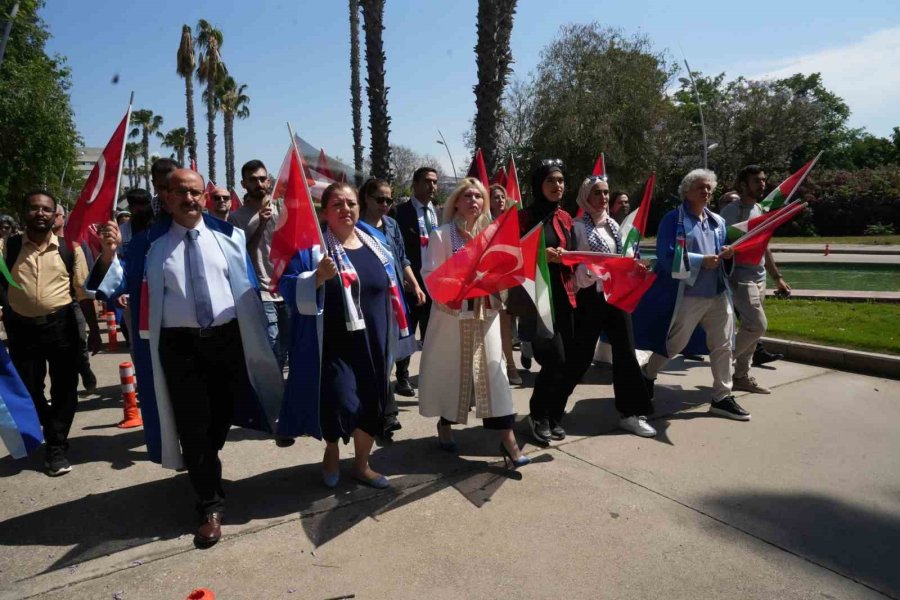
point(300, 411)
point(145, 258)
point(654, 314)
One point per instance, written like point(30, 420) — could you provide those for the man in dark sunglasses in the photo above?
point(220, 204)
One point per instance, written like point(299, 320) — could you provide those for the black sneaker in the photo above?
point(404, 388)
point(556, 431)
point(728, 408)
point(57, 464)
point(763, 357)
point(540, 430)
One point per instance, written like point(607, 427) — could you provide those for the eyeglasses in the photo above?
point(552, 162)
point(383, 200)
point(222, 198)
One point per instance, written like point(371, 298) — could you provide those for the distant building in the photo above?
point(86, 158)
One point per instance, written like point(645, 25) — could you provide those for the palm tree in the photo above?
point(177, 140)
point(132, 152)
point(210, 70)
point(146, 123)
point(379, 121)
point(233, 103)
point(356, 90)
point(186, 64)
point(493, 57)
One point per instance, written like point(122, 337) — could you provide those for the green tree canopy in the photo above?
point(36, 121)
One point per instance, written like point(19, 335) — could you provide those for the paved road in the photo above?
point(802, 502)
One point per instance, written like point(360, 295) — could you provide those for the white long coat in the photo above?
point(442, 376)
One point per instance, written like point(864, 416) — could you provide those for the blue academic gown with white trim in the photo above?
point(300, 411)
point(653, 316)
point(145, 257)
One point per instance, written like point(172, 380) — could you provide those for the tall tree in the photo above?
point(210, 70)
point(177, 140)
point(233, 103)
point(132, 152)
point(379, 121)
point(356, 89)
point(146, 124)
point(37, 128)
point(186, 64)
point(493, 57)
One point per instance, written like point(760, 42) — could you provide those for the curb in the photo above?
point(856, 361)
point(841, 296)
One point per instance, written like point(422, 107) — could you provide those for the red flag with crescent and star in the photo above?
point(489, 263)
point(98, 196)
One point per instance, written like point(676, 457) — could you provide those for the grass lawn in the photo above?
point(857, 325)
point(870, 240)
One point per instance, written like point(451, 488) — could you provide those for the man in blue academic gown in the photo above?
point(198, 302)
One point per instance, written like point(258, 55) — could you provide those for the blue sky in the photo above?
point(294, 56)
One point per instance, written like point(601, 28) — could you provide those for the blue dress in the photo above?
point(354, 389)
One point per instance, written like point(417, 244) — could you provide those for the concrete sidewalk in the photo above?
point(801, 502)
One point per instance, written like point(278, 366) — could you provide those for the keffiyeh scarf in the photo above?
point(596, 241)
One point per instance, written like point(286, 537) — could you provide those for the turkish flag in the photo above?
point(208, 194)
point(623, 278)
point(478, 170)
point(235, 201)
point(749, 249)
point(490, 263)
point(298, 225)
point(513, 193)
point(98, 196)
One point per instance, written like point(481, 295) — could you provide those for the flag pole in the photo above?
point(122, 158)
point(305, 182)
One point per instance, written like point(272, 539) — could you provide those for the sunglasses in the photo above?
point(222, 198)
point(383, 200)
point(552, 162)
point(596, 178)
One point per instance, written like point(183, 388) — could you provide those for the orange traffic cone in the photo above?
point(132, 417)
point(201, 594)
point(111, 330)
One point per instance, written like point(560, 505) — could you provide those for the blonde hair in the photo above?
point(484, 218)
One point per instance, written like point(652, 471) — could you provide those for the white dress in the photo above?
point(462, 360)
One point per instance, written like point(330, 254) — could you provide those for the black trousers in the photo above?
point(35, 345)
point(204, 376)
point(84, 355)
point(552, 383)
point(594, 316)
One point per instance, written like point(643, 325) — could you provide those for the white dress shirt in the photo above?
point(178, 293)
point(420, 211)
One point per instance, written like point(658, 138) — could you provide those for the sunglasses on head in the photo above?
point(596, 178)
point(552, 162)
point(384, 200)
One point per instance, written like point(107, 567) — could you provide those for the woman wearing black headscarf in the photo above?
point(552, 385)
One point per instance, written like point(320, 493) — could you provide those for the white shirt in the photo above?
point(178, 293)
point(421, 208)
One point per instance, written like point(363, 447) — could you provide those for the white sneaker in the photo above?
point(637, 425)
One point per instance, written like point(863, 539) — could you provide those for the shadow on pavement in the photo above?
point(848, 538)
point(116, 450)
point(113, 521)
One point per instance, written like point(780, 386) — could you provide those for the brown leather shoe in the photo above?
point(210, 531)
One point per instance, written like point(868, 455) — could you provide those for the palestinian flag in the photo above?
point(634, 226)
point(738, 230)
point(513, 193)
point(537, 279)
point(783, 193)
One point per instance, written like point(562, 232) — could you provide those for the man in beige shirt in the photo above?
point(41, 324)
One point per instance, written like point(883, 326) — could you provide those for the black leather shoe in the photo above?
point(526, 362)
point(210, 531)
point(763, 357)
point(404, 388)
point(540, 430)
point(556, 431)
point(283, 441)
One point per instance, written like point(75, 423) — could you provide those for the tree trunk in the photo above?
point(356, 91)
point(191, 130)
point(181, 156)
point(145, 145)
point(493, 57)
point(379, 121)
point(228, 119)
point(211, 136)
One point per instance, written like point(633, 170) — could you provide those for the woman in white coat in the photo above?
point(462, 359)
